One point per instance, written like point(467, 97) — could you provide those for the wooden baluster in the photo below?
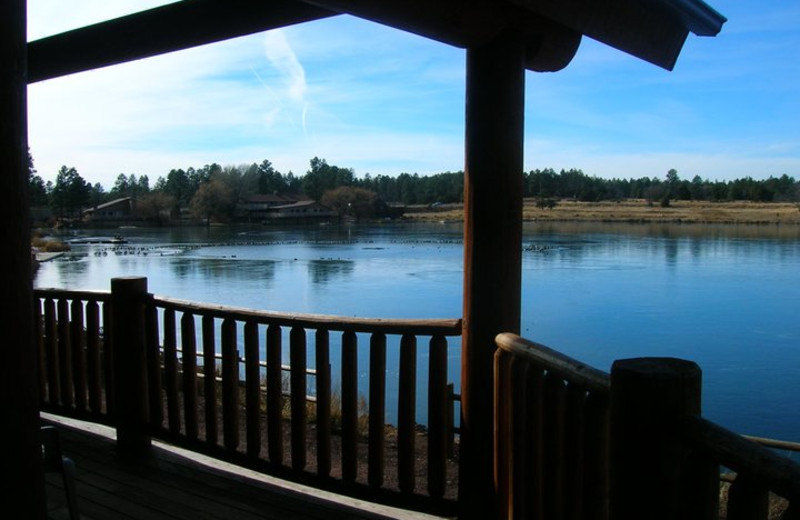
point(451, 420)
point(503, 465)
point(39, 333)
point(65, 353)
point(554, 452)
point(377, 409)
point(323, 366)
point(210, 380)
point(520, 440)
point(189, 358)
point(747, 500)
point(274, 395)
point(437, 417)
point(597, 460)
point(153, 359)
point(108, 359)
point(406, 414)
point(349, 406)
point(78, 341)
point(534, 461)
point(230, 385)
point(299, 367)
point(171, 372)
point(575, 423)
point(93, 356)
point(252, 369)
point(51, 349)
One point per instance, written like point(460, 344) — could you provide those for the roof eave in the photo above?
point(652, 30)
point(700, 18)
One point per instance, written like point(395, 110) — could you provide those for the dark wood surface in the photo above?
point(177, 485)
point(20, 470)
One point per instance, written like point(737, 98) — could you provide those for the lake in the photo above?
point(724, 296)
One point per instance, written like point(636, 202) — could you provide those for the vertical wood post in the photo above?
point(21, 470)
point(495, 102)
point(128, 299)
point(298, 360)
point(323, 363)
point(653, 470)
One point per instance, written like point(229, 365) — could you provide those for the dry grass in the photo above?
point(636, 210)
point(48, 244)
point(777, 505)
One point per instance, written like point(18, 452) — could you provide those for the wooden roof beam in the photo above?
point(172, 27)
point(550, 45)
point(653, 30)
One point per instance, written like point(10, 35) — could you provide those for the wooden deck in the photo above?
point(176, 484)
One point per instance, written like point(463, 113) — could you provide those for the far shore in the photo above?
point(635, 210)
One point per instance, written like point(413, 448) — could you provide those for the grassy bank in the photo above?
point(636, 210)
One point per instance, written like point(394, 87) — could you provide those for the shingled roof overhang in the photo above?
point(653, 30)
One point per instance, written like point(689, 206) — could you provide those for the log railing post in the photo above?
point(495, 102)
point(21, 471)
point(654, 472)
point(128, 300)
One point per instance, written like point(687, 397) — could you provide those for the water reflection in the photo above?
point(220, 269)
point(666, 230)
point(724, 296)
point(323, 271)
point(73, 268)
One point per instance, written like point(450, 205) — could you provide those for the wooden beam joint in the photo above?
point(164, 29)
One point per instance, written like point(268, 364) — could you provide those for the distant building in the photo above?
point(41, 214)
point(113, 212)
point(266, 208)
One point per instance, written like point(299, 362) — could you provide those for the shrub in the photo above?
point(546, 203)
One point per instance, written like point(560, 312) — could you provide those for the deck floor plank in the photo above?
point(171, 485)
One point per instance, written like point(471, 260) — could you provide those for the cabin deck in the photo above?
point(176, 484)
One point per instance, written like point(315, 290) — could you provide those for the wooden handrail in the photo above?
point(553, 361)
point(444, 327)
point(774, 443)
point(96, 295)
point(744, 456)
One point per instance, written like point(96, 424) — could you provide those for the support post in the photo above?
point(653, 469)
point(495, 102)
point(128, 300)
point(22, 471)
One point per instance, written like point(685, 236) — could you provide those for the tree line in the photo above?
point(574, 184)
point(212, 191)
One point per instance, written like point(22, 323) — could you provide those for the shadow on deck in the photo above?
point(178, 484)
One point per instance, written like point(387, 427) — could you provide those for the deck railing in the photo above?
point(303, 397)
point(574, 442)
point(552, 434)
point(75, 369)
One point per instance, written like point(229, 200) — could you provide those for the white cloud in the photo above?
point(283, 59)
point(397, 104)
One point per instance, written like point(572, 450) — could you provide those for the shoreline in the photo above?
point(634, 211)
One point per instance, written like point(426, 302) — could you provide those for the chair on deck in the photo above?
point(55, 461)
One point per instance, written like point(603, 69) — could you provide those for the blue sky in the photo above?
point(380, 101)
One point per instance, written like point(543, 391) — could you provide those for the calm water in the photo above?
point(726, 297)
